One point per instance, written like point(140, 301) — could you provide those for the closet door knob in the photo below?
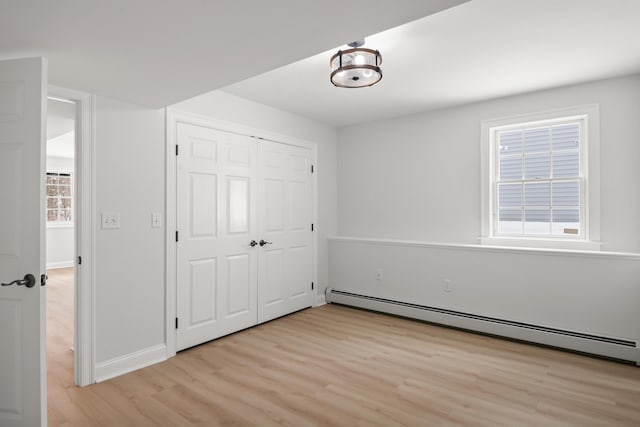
point(253, 243)
point(262, 243)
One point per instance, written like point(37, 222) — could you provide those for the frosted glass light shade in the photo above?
point(357, 67)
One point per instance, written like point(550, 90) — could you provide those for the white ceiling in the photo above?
point(62, 146)
point(60, 128)
point(159, 52)
point(478, 50)
point(60, 118)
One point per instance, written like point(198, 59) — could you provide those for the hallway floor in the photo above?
point(60, 308)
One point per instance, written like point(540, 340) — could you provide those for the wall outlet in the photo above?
point(156, 220)
point(446, 285)
point(110, 220)
point(379, 275)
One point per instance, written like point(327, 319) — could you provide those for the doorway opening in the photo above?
point(71, 167)
point(60, 217)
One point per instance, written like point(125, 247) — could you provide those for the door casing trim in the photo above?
point(84, 230)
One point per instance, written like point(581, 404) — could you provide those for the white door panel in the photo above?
point(285, 217)
point(272, 281)
point(298, 269)
point(202, 296)
point(274, 211)
point(239, 286)
point(22, 333)
point(203, 205)
point(216, 218)
point(238, 205)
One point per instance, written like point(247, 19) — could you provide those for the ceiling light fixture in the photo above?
point(356, 67)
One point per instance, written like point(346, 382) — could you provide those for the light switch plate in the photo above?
point(110, 220)
point(156, 220)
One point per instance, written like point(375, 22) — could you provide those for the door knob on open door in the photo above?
point(262, 243)
point(29, 281)
point(253, 243)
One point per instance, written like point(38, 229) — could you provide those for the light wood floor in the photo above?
point(339, 366)
point(59, 332)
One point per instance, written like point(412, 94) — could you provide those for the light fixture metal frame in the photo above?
point(376, 68)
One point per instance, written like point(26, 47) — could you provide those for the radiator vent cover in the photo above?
point(616, 348)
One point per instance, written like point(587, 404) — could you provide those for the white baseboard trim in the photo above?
point(130, 362)
point(320, 300)
point(59, 264)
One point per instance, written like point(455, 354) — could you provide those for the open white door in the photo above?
point(22, 333)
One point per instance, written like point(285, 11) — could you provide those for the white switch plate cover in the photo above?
point(110, 220)
point(156, 220)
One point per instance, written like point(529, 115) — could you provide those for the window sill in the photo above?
point(578, 245)
point(60, 225)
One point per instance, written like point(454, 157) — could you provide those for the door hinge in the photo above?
point(311, 227)
point(79, 260)
point(311, 285)
point(176, 235)
point(176, 323)
point(311, 168)
point(176, 149)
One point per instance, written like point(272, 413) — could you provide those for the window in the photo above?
point(538, 180)
point(541, 190)
point(58, 189)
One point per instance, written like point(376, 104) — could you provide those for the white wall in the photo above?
point(60, 247)
point(418, 177)
point(597, 294)
point(129, 264)
point(60, 244)
point(223, 106)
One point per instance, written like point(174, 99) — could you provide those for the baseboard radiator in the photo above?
point(620, 349)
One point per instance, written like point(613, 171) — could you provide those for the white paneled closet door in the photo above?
point(285, 263)
point(217, 221)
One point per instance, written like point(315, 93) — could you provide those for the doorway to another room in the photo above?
point(60, 219)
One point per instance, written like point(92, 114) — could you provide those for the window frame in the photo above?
point(589, 178)
point(60, 224)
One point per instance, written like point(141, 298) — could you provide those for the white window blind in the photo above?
point(538, 180)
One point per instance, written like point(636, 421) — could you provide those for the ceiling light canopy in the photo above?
point(356, 67)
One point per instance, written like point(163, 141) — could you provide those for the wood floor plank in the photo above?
point(340, 366)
